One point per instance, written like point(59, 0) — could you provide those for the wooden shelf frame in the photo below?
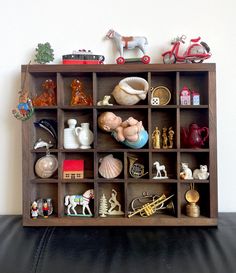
point(100, 78)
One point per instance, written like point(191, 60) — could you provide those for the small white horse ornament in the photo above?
point(128, 43)
point(73, 200)
point(160, 169)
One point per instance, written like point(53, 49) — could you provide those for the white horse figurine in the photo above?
point(128, 42)
point(73, 200)
point(160, 168)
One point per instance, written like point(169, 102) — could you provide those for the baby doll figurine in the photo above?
point(130, 132)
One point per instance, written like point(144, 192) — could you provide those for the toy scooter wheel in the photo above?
point(197, 61)
point(146, 59)
point(169, 58)
point(120, 60)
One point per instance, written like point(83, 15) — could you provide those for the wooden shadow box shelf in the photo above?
point(100, 80)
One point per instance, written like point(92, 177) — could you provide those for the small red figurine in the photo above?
point(45, 209)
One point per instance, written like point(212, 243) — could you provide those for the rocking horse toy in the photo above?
point(129, 43)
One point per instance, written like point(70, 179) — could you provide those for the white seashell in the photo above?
point(130, 90)
point(110, 167)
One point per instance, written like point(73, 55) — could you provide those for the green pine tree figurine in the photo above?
point(44, 53)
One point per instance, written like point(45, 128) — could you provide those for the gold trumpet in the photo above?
point(149, 209)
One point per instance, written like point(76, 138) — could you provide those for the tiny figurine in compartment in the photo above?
point(130, 42)
point(115, 208)
point(45, 207)
point(70, 139)
point(130, 91)
point(46, 166)
point(171, 137)
point(49, 125)
point(110, 167)
point(73, 169)
point(44, 53)
point(160, 95)
point(192, 196)
point(195, 98)
point(41, 144)
point(103, 208)
point(185, 96)
point(79, 97)
point(85, 136)
point(164, 138)
point(48, 97)
point(82, 56)
point(201, 173)
point(160, 169)
point(148, 208)
point(136, 170)
point(186, 172)
point(34, 210)
point(130, 132)
point(156, 138)
point(71, 201)
point(105, 101)
point(196, 52)
point(195, 136)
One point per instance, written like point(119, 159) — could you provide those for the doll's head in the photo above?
point(108, 121)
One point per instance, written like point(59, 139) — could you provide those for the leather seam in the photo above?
point(43, 249)
point(39, 251)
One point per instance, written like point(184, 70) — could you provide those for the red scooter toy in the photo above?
point(195, 53)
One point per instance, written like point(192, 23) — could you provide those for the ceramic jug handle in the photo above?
point(76, 130)
point(207, 133)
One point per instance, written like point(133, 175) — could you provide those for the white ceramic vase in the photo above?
point(84, 135)
point(70, 138)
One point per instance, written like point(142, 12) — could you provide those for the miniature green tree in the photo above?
point(44, 53)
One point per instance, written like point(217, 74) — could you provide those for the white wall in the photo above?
point(75, 24)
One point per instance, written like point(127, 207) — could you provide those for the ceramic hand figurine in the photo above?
point(78, 94)
point(130, 132)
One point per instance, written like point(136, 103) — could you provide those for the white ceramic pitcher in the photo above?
point(85, 136)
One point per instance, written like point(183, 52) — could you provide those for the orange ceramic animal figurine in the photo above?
point(78, 94)
point(48, 97)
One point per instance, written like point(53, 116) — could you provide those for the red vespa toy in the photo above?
point(195, 53)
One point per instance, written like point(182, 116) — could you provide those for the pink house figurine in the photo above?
point(195, 98)
point(185, 96)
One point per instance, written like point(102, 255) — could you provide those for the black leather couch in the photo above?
point(118, 250)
